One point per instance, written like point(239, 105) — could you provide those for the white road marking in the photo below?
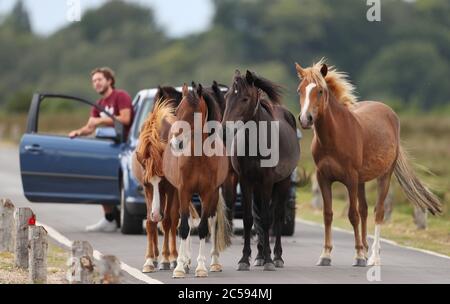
point(390, 242)
point(137, 274)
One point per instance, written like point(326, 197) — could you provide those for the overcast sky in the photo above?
point(47, 16)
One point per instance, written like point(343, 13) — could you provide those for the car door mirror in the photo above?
point(106, 133)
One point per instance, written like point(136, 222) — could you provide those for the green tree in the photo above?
point(18, 20)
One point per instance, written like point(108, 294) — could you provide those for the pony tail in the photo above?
point(224, 230)
point(413, 188)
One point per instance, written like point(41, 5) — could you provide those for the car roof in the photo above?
point(144, 93)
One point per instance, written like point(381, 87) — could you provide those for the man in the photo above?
point(117, 103)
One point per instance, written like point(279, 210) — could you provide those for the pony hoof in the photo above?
point(164, 266)
point(155, 263)
point(201, 273)
point(279, 263)
point(148, 269)
point(269, 267)
point(243, 267)
point(216, 268)
point(360, 262)
point(178, 274)
point(324, 262)
point(374, 262)
point(258, 262)
point(173, 265)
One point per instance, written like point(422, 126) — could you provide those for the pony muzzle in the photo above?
point(306, 120)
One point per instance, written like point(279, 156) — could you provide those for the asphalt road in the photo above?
point(400, 265)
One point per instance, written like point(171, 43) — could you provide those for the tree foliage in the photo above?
point(404, 59)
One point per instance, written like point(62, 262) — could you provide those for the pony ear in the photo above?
point(300, 71)
point(250, 77)
point(237, 73)
point(185, 90)
point(324, 70)
point(200, 90)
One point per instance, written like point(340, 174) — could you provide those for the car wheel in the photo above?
point(129, 224)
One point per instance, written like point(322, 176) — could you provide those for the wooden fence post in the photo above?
point(6, 226)
point(22, 217)
point(81, 265)
point(38, 247)
point(109, 269)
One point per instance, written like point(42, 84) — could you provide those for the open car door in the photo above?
point(56, 168)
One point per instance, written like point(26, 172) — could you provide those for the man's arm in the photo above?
point(94, 122)
point(85, 130)
point(124, 117)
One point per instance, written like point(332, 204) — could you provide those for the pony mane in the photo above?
point(214, 112)
point(337, 82)
point(149, 151)
point(169, 94)
point(272, 90)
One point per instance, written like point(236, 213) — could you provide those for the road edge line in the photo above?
point(134, 272)
point(387, 241)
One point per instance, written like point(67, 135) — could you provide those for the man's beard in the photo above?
point(102, 92)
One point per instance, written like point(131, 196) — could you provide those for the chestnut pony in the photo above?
point(354, 143)
point(161, 198)
point(202, 174)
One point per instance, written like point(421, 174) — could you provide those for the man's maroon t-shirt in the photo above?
point(113, 104)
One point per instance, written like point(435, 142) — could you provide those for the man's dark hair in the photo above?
point(108, 73)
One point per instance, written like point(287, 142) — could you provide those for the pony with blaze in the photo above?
point(355, 142)
point(160, 196)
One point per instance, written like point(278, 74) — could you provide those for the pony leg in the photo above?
point(244, 262)
point(201, 270)
point(280, 197)
point(266, 221)
point(353, 215)
point(183, 259)
point(362, 205)
point(325, 188)
point(383, 189)
point(165, 263)
point(259, 260)
point(215, 265)
point(150, 258)
point(229, 194)
point(175, 217)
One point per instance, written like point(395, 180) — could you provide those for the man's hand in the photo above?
point(74, 133)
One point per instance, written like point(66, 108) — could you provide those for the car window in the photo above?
point(147, 105)
point(59, 116)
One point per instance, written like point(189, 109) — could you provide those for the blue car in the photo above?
point(95, 170)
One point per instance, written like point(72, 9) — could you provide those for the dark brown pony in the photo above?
point(160, 196)
point(354, 143)
point(256, 100)
point(202, 174)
